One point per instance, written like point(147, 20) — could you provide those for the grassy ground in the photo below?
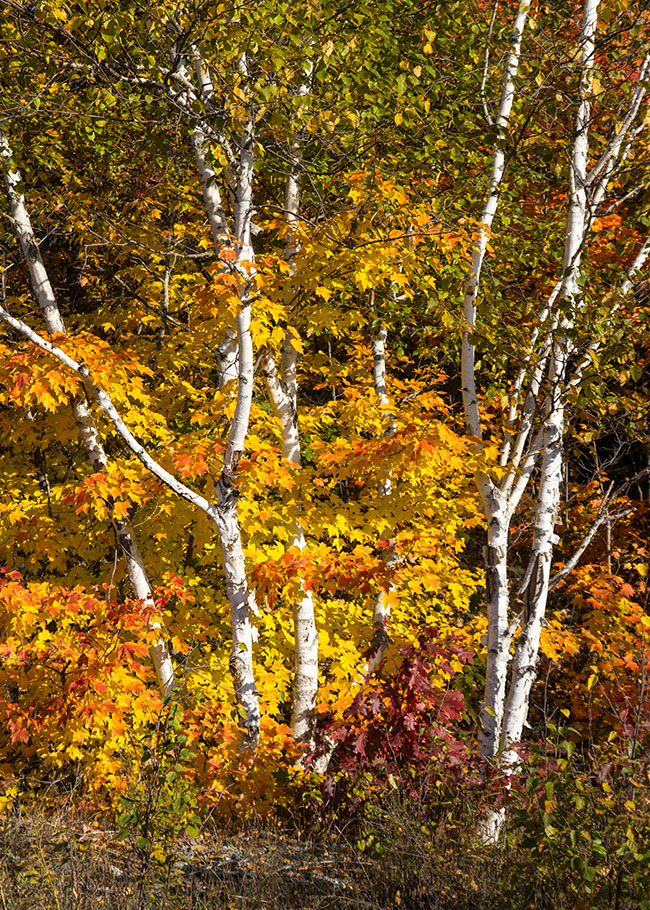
point(66, 862)
point(58, 862)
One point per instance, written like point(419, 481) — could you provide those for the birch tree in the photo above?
point(282, 389)
point(187, 84)
point(532, 448)
point(47, 302)
point(218, 98)
point(234, 244)
point(496, 507)
point(283, 394)
point(381, 612)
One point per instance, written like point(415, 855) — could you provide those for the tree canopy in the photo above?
point(323, 362)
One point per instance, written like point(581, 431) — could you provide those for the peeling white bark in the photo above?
point(223, 514)
point(283, 394)
point(240, 596)
point(305, 686)
point(200, 140)
point(46, 299)
point(535, 595)
point(527, 444)
point(236, 361)
point(498, 631)
point(581, 214)
point(210, 188)
point(381, 611)
point(496, 506)
point(472, 279)
point(228, 359)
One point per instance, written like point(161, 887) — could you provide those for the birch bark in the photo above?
point(381, 611)
point(585, 196)
point(283, 394)
point(496, 507)
point(525, 444)
point(240, 262)
point(220, 513)
point(236, 352)
point(240, 596)
point(305, 687)
point(46, 299)
point(536, 591)
point(473, 276)
point(213, 204)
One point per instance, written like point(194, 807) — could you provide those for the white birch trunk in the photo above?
point(212, 202)
point(305, 686)
point(241, 600)
point(472, 279)
point(46, 299)
point(236, 361)
point(283, 393)
point(495, 505)
point(538, 574)
point(209, 189)
point(535, 595)
point(227, 349)
point(223, 514)
point(240, 596)
point(498, 632)
point(381, 611)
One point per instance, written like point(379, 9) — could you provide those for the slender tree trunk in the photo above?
point(498, 632)
point(305, 687)
point(535, 595)
point(495, 505)
point(472, 278)
point(241, 599)
point(46, 299)
point(227, 349)
point(240, 596)
point(283, 393)
point(381, 611)
point(236, 361)
point(548, 499)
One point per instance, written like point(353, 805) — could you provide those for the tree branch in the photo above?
point(106, 404)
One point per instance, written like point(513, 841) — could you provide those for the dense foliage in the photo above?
point(246, 524)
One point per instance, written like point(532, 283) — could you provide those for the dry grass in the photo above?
point(66, 862)
point(54, 862)
point(63, 862)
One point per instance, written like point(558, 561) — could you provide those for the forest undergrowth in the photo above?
point(325, 454)
point(582, 848)
point(394, 821)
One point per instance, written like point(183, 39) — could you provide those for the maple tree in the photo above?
point(234, 246)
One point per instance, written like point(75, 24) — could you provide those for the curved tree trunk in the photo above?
point(240, 596)
point(236, 361)
point(46, 299)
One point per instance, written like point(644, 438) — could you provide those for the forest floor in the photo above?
point(59, 863)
